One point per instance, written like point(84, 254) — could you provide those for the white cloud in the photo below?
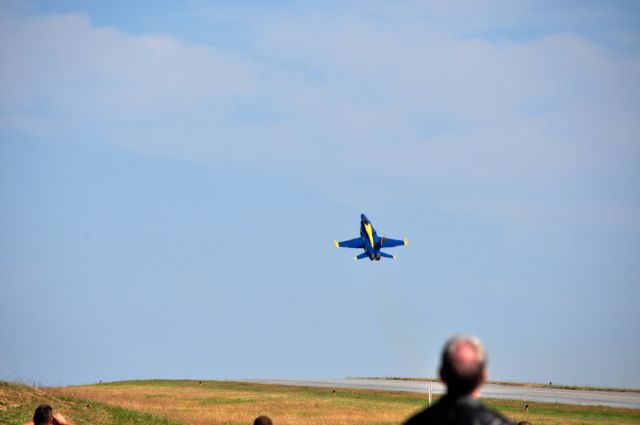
point(63, 68)
point(399, 101)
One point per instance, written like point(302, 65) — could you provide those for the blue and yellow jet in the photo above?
point(370, 242)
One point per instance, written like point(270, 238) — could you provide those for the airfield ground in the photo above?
point(223, 402)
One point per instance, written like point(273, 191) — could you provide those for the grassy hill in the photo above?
point(17, 403)
point(223, 402)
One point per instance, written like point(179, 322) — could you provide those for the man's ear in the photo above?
point(484, 376)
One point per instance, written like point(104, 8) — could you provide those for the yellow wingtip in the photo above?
point(355, 258)
point(394, 257)
point(406, 241)
point(336, 243)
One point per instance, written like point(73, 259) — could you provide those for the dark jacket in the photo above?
point(451, 410)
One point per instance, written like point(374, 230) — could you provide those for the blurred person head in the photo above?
point(262, 420)
point(43, 415)
point(463, 367)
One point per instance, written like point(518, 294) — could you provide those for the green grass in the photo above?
point(18, 402)
point(226, 400)
point(583, 414)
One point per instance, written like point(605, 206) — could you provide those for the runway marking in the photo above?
point(574, 392)
point(509, 392)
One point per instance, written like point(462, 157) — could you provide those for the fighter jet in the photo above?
point(370, 242)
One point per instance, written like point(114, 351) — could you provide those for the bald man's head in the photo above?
point(262, 420)
point(463, 364)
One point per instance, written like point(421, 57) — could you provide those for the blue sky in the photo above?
point(172, 176)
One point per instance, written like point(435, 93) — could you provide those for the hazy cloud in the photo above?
point(393, 97)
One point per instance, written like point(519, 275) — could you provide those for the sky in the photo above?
point(173, 175)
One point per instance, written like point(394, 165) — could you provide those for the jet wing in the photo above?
point(351, 243)
point(390, 243)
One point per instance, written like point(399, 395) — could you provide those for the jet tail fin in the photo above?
point(361, 256)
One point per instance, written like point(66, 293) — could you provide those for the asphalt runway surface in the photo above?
point(526, 394)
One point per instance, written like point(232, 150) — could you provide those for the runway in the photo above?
point(526, 394)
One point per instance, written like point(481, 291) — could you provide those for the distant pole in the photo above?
point(429, 394)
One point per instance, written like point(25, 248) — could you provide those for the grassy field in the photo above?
point(216, 402)
point(17, 403)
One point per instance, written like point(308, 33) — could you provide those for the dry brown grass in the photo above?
point(210, 404)
point(189, 402)
point(17, 403)
point(239, 403)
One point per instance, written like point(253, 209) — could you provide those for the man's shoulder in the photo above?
point(458, 412)
point(491, 417)
point(431, 414)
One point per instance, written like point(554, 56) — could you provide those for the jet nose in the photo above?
point(363, 217)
